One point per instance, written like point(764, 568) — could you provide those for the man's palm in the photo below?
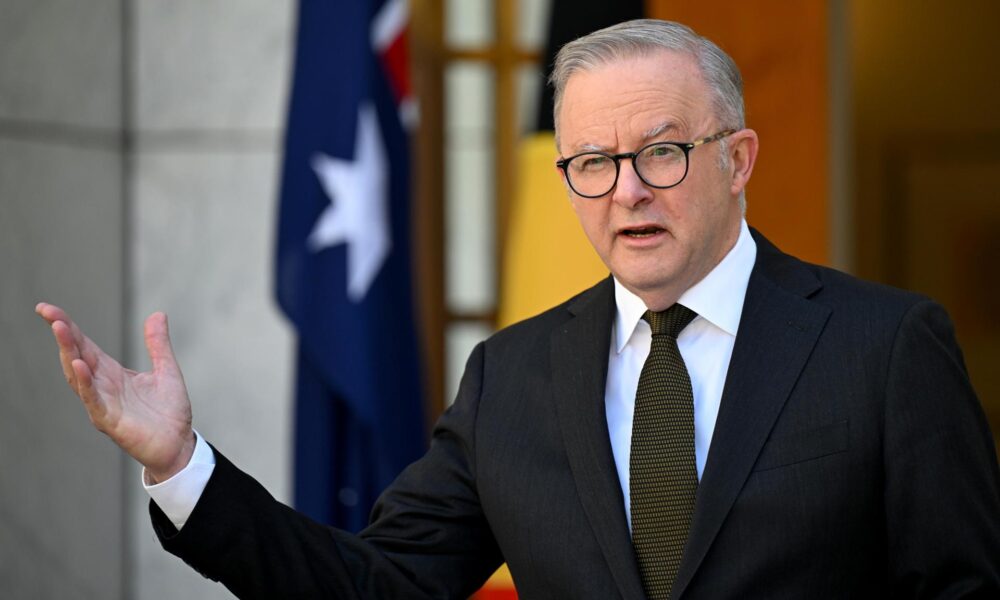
point(147, 414)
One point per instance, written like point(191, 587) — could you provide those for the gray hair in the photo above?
point(642, 37)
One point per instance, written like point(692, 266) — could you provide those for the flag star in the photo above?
point(358, 214)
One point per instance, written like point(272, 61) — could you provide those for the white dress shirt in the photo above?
point(177, 496)
point(706, 345)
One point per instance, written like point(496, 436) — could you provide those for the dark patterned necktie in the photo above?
point(662, 475)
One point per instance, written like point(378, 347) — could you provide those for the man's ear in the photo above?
point(743, 146)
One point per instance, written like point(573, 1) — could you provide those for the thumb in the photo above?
point(161, 354)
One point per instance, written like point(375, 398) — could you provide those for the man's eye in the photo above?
point(664, 151)
point(592, 163)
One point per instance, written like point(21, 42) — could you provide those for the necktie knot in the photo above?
point(671, 321)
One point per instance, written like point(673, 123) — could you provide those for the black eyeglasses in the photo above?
point(660, 165)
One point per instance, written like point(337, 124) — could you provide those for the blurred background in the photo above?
point(141, 145)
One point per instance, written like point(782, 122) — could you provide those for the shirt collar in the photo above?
point(717, 298)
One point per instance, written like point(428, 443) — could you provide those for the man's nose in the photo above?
point(630, 191)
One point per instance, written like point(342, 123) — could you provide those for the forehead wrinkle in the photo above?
point(652, 132)
point(583, 146)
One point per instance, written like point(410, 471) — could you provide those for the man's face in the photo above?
point(656, 242)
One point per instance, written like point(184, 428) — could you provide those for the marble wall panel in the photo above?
point(61, 509)
point(470, 234)
point(60, 62)
point(212, 64)
point(533, 23)
point(204, 225)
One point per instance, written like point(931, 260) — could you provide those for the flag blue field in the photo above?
point(343, 271)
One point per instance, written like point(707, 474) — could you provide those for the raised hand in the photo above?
point(147, 414)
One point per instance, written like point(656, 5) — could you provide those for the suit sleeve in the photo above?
point(942, 486)
point(428, 537)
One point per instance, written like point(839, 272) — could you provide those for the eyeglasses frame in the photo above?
point(686, 147)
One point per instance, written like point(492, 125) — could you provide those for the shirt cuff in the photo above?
point(178, 495)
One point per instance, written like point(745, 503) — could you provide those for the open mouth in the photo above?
point(641, 232)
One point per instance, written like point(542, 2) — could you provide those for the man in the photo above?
point(718, 420)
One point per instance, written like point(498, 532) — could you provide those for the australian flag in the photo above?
point(343, 258)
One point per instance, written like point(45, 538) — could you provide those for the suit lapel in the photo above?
point(579, 364)
point(778, 330)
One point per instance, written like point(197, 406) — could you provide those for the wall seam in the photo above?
point(841, 207)
point(128, 587)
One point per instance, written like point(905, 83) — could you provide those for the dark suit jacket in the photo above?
point(850, 459)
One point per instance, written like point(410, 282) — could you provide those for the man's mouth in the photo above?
point(641, 232)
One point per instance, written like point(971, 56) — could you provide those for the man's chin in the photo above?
point(655, 288)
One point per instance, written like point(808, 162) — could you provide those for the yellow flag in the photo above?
point(547, 258)
point(499, 587)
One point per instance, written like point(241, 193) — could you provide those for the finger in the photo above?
point(85, 389)
point(157, 335)
point(89, 351)
point(81, 339)
point(71, 347)
point(86, 348)
point(68, 352)
point(51, 312)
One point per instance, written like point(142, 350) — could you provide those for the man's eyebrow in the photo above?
point(653, 132)
point(660, 130)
